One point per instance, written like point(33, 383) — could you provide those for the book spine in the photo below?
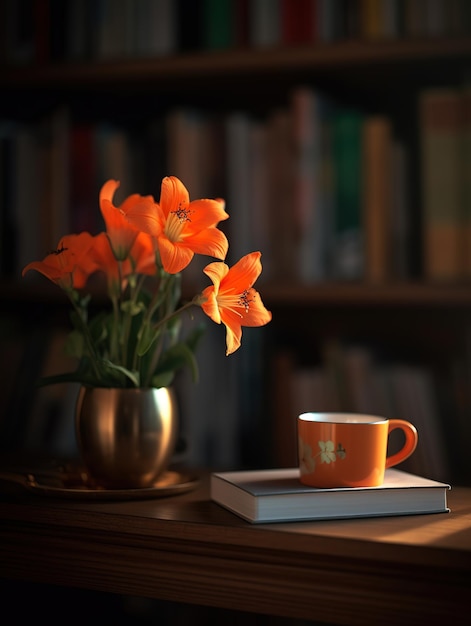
point(309, 208)
point(377, 218)
point(441, 129)
point(297, 21)
point(348, 253)
point(218, 24)
point(265, 23)
point(466, 178)
point(83, 211)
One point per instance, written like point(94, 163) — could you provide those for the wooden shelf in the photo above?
point(283, 294)
point(360, 294)
point(236, 63)
point(409, 569)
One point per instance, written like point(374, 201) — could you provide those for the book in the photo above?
point(277, 495)
point(309, 111)
point(280, 163)
point(218, 24)
point(264, 23)
point(377, 198)
point(466, 180)
point(441, 144)
point(347, 138)
point(297, 21)
point(401, 222)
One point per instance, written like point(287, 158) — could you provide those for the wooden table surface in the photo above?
point(186, 548)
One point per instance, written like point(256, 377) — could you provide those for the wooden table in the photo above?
point(185, 548)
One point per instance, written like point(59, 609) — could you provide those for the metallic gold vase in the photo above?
point(126, 436)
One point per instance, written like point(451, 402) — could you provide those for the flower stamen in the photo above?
point(245, 300)
point(176, 222)
point(182, 213)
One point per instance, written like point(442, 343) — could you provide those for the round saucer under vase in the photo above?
point(126, 437)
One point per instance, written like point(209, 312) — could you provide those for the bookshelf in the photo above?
point(404, 315)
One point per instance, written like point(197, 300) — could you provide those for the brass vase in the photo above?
point(126, 437)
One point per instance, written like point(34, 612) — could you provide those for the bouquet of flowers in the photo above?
point(134, 340)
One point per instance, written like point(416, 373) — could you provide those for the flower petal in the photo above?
point(239, 304)
point(174, 257)
point(173, 194)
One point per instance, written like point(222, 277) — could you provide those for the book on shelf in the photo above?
point(441, 143)
point(218, 24)
point(377, 196)
point(264, 23)
point(238, 160)
point(466, 174)
point(84, 213)
point(298, 21)
point(277, 495)
point(311, 206)
point(347, 147)
point(280, 162)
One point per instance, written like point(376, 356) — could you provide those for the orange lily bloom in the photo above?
point(182, 228)
point(141, 260)
point(142, 255)
point(70, 265)
point(232, 300)
point(102, 253)
point(119, 227)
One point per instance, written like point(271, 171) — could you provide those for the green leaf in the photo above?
point(194, 337)
point(133, 376)
point(148, 336)
point(177, 357)
point(74, 344)
point(163, 380)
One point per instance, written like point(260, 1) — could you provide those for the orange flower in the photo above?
point(70, 265)
point(142, 255)
point(102, 253)
point(119, 224)
point(232, 299)
point(141, 260)
point(182, 228)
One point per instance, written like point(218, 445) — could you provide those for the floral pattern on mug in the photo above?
point(307, 461)
point(327, 453)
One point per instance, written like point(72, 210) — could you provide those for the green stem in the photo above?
point(86, 335)
point(158, 350)
point(134, 293)
point(135, 357)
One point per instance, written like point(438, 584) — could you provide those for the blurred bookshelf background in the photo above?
point(339, 133)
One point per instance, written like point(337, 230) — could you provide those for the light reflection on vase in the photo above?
point(126, 437)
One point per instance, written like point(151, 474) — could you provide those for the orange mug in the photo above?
point(349, 449)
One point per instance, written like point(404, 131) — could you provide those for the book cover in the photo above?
point(264, 23)
point(277, 495)
point(25, 197)
point(218, 24)
point(402, 242)
point(441, 130)
point(348, 251)
point(310, 196)
point(466, 187)
point(330, 20)
point(280, 163)
point(84, 211)
point(297, 21)
point(238, 161)
point(377, 196)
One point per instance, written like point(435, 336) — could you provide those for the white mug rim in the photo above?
point(340, 417)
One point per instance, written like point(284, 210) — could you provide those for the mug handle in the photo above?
point(410, 444)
